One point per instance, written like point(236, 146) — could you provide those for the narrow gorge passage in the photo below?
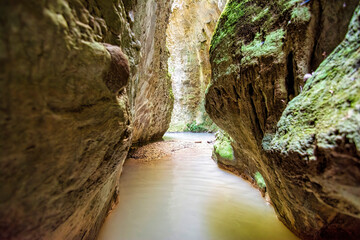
point(172, 189)
point(84, 82)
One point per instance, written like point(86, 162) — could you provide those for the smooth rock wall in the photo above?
point(151, 91)
point(191, 26)
point(73, 77)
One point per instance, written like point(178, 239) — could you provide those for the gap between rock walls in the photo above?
point(83, 82)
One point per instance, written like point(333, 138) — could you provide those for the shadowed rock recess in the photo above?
point(308, 153)
point(68, 78)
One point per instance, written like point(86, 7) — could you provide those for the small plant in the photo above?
point(259, 180)
point(194, 127)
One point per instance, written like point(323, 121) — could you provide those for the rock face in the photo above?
point(317, 143)
point(65, 116)
point(153, 99)
point(191, 26)
point(260, 53)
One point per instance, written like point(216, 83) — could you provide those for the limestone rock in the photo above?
point(65, 127)
point(260, 53)
point(153, 99)
point(117, 76)
point(189, 33)
point(317, 144)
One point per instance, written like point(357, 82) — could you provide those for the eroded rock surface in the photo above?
point(191, 26)
point(317, 143)
point(65, 116)
point(260, 53)
point(153, 99)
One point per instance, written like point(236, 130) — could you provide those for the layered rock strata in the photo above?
point(260, 54)
point(191, 26)
point(67, 78)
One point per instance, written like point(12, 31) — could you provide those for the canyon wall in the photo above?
point(151, 91)
point(191, 26)
point(262, 54)
point(70, 88)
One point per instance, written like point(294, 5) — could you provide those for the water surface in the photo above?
point(185, 196)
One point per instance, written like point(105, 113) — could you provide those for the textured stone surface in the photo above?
point(260, 53)
point(317, 143)
point(64, 117)
point(191, 26)
point(153, 100)
point(73, 76)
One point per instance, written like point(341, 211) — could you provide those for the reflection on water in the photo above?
point(187, 197)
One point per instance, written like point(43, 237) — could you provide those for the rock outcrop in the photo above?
point(260, 54)
point(67, 85)
point(317, 148)
point(153, 99)
point(191, 26)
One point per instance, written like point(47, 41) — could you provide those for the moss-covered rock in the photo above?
point(260, 53)
point(317, 141)
point(223, 152)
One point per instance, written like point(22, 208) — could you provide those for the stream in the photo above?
point(173, 190)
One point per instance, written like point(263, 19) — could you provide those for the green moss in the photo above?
point(180, 127)
point(243, 18)
point(195, 127)
point(233, 11)
point(272, 45)
point(264, 13)
point(223, 146)
point(301, 14)
point(259, 180)
point(329, 105)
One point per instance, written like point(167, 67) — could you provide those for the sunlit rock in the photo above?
point(189, 32)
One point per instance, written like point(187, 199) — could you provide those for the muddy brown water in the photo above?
point(181, 194)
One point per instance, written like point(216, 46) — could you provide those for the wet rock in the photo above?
point(259, 58)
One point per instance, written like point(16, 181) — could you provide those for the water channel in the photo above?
point(183, 195)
